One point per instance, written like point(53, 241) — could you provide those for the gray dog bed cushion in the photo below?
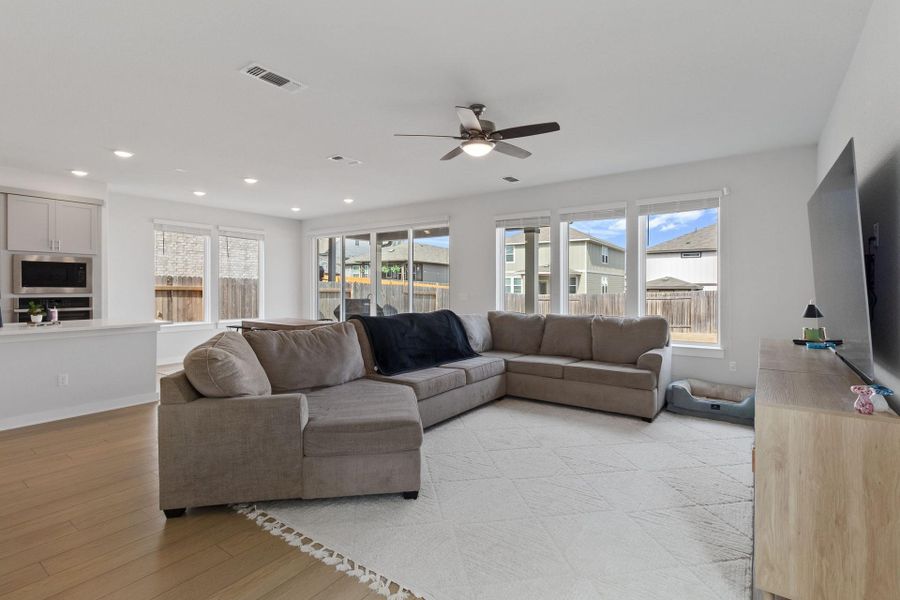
point(718, 401)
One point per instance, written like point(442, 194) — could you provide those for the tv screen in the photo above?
point(839, 263)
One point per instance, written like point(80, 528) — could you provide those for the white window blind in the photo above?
point(675, 206)
point(246, 234)
point(592, 214)
point(519, 222)
point(174, 227)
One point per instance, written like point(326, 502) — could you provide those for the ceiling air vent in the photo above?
point(510, 179)
point(340, 158)
point(287, 84)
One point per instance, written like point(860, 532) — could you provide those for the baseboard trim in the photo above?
point(79, 410)
point(171, 360)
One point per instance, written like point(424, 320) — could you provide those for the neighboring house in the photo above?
point(595, 266)
point(430, 263)
point(688, 262)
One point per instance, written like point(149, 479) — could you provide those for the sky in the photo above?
point(662, 227)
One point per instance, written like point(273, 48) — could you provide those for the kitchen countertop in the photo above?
point(25, 331)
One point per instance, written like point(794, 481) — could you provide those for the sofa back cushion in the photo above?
point(302, 360)
point(621, 340)
point(516, 332)
point(478, 330)
point(225, 366)
point(566, 335)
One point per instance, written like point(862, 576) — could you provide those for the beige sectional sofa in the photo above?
point(305, 414)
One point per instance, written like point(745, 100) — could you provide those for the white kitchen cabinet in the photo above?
point(45, 225)
point(76, 228)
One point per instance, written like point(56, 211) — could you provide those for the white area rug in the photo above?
point(526, 500)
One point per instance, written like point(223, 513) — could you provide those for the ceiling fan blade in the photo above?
point(452, 137)
point(509, 149)
point(468, 118)
point(525, 131)
point(452, 154)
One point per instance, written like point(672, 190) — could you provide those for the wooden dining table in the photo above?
point(282, 323)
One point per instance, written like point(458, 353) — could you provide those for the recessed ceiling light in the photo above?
point(181, 170)
point(78, 173)
point(295, 208)
point(250, 180)
point(199, 193)
point(123, 153)
point(348, 200)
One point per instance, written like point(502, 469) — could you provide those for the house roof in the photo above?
point(672, 283)
point(575, 235)
point(399, 252)
point(705, 238)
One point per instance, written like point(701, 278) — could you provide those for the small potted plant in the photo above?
point(36, 311)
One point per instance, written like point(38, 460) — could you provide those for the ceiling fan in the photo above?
point(479, 136)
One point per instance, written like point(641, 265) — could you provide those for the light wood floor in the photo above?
point(79, 519)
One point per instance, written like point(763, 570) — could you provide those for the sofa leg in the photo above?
point(647, 419)
point(411, 495)
point(173, 513)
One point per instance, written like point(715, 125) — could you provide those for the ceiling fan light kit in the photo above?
point(478, 137)
point(477, 147)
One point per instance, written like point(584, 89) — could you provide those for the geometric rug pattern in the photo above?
point(528, 500)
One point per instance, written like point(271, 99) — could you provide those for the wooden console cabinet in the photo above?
point(827, 509)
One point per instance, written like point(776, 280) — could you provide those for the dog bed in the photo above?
point(719, 401)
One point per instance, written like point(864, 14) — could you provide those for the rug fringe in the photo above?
point(376, 582)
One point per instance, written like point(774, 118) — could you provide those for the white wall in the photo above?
point(129, 241)
point(867, 109)
point(767, 272)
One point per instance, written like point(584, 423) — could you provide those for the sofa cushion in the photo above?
point(361, 417)
point(540, 365)
point(516, 332)
point(622, 340)
point(224, 367)
point(478, 330)
point(365, 347)
point(618, 375)
point(426, 383)
point(478, 368)
point(566, 335)
point(302, 360)
point(501, 354)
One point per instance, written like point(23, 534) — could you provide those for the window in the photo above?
point(527, 241)
point(240, 265)
point(431, 269)
point(596, 241)
point(357, 293)
point(404, 270)
point(681, 264)
point(181, 265)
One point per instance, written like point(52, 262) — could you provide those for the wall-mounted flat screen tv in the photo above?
point(839, 263)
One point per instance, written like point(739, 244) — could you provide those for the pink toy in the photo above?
point(863, 403)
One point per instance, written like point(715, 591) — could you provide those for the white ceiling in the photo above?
point(633, 85)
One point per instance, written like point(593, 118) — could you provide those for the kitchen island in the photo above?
point(54, 372)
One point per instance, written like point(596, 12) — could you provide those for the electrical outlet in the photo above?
point(62, 379)
point(732, 366)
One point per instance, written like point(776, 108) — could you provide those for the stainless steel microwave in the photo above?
point(51, 274)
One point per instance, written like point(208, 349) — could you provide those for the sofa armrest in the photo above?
point(224, 450)
point(659, 361)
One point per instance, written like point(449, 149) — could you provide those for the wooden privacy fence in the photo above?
point(394, 298)
point(180, 299)
point(694, 312)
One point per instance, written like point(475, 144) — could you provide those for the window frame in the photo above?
point(573, 283)
point(206, 232)
point(241, 233)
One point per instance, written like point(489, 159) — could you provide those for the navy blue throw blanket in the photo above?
point(413, 341)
